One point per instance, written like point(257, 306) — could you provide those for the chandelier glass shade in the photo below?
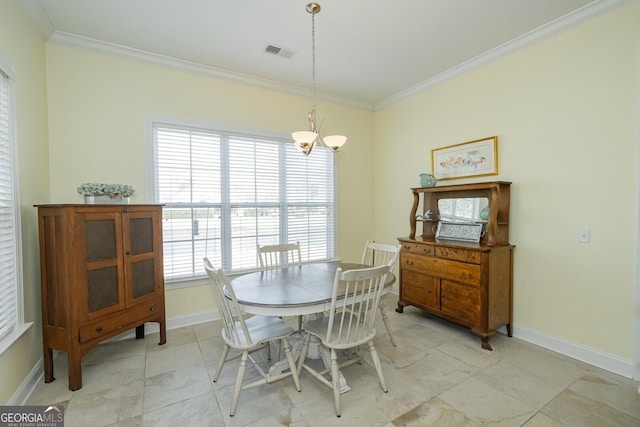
point(306, 140)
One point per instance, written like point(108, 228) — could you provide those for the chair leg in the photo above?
point(239, 379)
point(335, 379)
point(387, 325)
point(292, 363)
point(376, 363)
point(223, 358)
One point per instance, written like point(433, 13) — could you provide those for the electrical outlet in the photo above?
point(584, 235)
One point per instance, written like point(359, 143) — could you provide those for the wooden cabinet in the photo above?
point(101, 274)
point(468, 283)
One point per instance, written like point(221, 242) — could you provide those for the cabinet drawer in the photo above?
point(122, 321)
point(460, 271)
point(460, 301)
point(418, 249)
point(419, 263)
point(458, 255)
point(420, 288)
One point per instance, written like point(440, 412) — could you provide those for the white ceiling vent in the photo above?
point(279, 51)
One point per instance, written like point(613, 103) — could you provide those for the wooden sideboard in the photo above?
point(465, 282)
point(101, 274)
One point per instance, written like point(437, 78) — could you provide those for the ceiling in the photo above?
point(368, 52)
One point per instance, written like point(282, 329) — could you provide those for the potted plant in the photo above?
point(106, 193)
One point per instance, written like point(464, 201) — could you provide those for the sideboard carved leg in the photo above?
point(400, 308)
point(485, 343)
point(484, 337)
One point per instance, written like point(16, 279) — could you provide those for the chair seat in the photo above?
point(261, 328)
point(319, 329)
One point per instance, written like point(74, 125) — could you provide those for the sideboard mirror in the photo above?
point(462, 209)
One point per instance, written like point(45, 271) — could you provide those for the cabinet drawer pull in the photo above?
point(99, 329)
point(152, 308)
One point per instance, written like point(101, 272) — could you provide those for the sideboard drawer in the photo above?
point(425, 264)
point(458, 254)
point(418, 249)
point(459, 271)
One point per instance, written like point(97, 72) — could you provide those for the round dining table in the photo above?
point(291, 291)
point(294, 291)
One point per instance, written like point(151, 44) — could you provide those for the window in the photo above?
point(11, 316)
point(225, 192)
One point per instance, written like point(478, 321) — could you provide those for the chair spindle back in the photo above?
point(351, 319)
point(233, 322)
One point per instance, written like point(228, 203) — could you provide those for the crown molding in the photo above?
point(97, 46)
point(585, 13)
point(590, 11)
point(39, 17)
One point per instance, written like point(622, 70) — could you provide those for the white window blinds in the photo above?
point(226, 192)
point(8, 218)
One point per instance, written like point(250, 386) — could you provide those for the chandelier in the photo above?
point(306, 140)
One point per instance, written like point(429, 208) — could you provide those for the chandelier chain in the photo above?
point(313, 56)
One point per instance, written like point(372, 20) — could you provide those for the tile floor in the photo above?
point(437, 376)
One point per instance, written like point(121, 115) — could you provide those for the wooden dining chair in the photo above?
point(382, 254)
point(247, 335)
point(354, 303)
point(278, 256)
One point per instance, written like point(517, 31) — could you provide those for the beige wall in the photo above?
point(97, 110)
point(21, 45)
point(566, 112)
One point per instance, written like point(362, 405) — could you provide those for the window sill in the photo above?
point(9, 340)
point(191, 282)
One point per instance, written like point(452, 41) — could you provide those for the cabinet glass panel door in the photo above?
point(101, 263)
point(141, 260)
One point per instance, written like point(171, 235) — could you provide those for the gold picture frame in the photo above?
point(473, 158)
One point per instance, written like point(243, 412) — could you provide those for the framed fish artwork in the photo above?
point(474, 158)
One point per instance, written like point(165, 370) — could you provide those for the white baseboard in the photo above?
point(576, 351)
point(585, 354)
point(29, 384)
point(579, 352)
point(174, 323)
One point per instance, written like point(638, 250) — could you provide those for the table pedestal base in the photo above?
point(315, 352)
